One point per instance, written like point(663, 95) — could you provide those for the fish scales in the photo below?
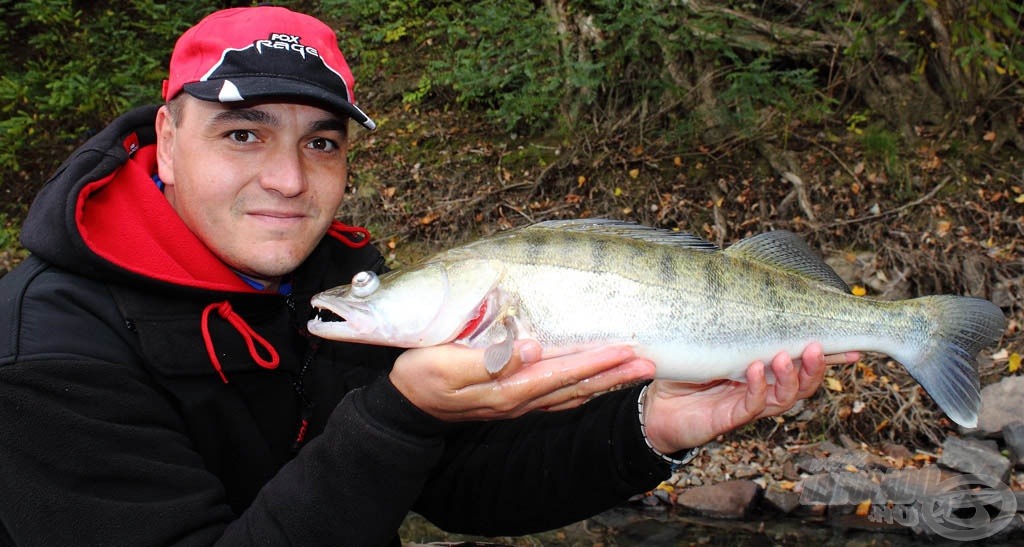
point(700, 313)
point(710, 307)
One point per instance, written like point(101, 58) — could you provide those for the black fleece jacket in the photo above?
point(117, 336)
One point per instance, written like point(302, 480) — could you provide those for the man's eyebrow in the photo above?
point(256, 116)
point(330, 124)
point(250, 115)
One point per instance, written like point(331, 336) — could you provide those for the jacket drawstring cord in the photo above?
point(225, 310)
point(352, 236)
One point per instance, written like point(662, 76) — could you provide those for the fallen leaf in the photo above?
point(834, 384)
point(858, 290)
point(989, 136)
point(634, 173)
point(1013, 365)
point(864, 508)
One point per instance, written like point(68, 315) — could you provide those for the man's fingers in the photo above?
point(757, 392)
point(553, 381)
point(451, 382)
point(787, 382)
point(573, 395)
point(842, 358)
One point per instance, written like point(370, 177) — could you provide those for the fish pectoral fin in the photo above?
point(498, 355)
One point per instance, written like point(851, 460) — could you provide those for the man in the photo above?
point(158, 386)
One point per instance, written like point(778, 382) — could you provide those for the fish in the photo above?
point(700, 313)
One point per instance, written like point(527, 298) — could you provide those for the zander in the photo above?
point(698, 312)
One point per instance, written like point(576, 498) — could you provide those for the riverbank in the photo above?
point(752, 491)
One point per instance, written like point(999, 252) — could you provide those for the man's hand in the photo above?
point(680, 415)
point(451, 383)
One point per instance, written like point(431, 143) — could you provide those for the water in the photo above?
point(659, 527)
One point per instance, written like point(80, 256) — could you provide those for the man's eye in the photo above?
point(321, 143)
point(242, 135)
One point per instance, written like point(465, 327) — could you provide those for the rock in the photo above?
point(746, 471)
point(848, 442)
point(826, 457)
point(1013, 436)
point(909, 485)
point(781, 500)
point(729, 499)
point(896, 451)
point(789, 471)
point(1000, 405)
point(837, 488)
point(1014, 528)
point(826, 448)
point(975, 456)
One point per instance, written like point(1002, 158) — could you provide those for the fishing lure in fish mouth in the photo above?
point(698, 312)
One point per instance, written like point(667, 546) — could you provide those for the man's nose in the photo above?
point(283, 173)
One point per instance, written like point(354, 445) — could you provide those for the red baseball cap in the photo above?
point(265, 52)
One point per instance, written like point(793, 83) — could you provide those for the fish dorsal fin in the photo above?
point(619, 228)
point(787, 251)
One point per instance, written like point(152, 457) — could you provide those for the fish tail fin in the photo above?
point(945, 365)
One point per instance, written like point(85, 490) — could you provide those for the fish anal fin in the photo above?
point(787, 251)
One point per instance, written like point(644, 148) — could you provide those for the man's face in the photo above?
point(258, 184)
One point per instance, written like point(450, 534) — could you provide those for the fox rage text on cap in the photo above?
point(245, 54)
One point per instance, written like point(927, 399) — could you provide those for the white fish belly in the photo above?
point(697, 363)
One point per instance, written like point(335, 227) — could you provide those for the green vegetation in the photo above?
point(685, 71)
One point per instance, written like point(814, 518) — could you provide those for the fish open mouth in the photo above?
point(327, 316)
point(328, 320)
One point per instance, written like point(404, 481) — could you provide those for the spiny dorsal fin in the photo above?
point(619, 228)
point(787, 251)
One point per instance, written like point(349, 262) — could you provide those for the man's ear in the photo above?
point(165, 133)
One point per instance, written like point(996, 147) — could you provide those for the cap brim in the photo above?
point(261, 88)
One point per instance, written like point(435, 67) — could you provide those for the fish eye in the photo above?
point(364, 283)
